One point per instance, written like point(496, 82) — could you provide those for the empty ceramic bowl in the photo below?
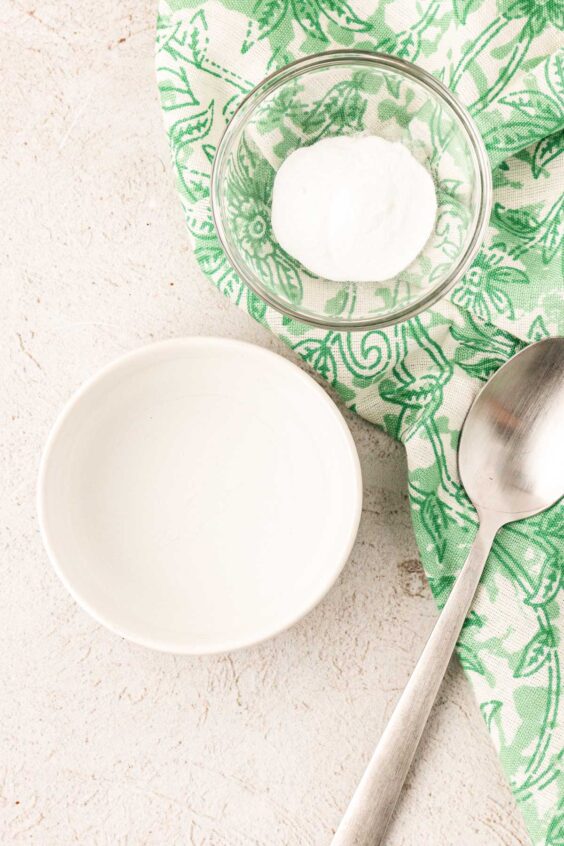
point(199, 495)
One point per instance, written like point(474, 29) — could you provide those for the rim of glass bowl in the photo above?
point(341, 57)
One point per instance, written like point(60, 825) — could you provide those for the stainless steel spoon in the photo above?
point(511, 462)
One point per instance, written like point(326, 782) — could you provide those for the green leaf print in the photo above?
point(490, 710)
point(433, 517)
point(553, 522)
point(535, 654)
point(482, 369)
point(342, 13)
point(419, 397)
point(534, 105)
point(284, 104)
point(517, 56)
point(555, 836)
point(255, 306)
point(483, 290)
point(393, 86)
point(211, 258)
point(546, 232)
point(288, 277)
point(343, 106)
point(461, 9)
point(307, 14)
point(508, 276)
point(539, 15)
point(295, 329)
point(187, 42)
point(195, 183)
point(320, 355)
point(485, 340)
point(441, 587)
point(469, 659)
point(510, 137)
point(519, 222)
point(347, 394)
point(268, 16)
point(552, 240)
point(475, 50)
point(408, 43)
point(198, 38)
point(555, 73)
point(537, 330)
point(548, 583)
point(175, 89)
point(336, 305)
point(214, 264)
point(473, 619)
point(390, 110)
point(516, 8)
point(209, 152)
point(200, 223)
point(192, 128)
point(416, 394)
point(546, 150)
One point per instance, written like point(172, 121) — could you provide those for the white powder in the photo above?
point(353, 208)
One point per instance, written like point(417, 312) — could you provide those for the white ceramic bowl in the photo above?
point(199, 495)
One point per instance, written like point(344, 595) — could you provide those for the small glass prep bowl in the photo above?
point(346, 92)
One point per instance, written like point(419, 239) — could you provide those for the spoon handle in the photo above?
point(370, 810)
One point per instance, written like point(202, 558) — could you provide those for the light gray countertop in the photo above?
point(102, 741)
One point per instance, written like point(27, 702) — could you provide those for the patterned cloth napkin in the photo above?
point(418, 379)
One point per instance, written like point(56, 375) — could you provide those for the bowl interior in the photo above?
point(298, 107)
point(200, 495)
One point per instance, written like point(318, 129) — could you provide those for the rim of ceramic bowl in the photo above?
point(382, 60)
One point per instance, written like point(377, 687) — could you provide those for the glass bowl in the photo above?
point(349, 92)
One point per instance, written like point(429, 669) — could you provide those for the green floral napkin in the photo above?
point(418, 379)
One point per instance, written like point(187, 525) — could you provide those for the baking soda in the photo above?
point(353, 208)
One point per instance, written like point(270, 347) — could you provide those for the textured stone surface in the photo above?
point(103, 742)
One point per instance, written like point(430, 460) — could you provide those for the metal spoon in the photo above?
point(511, 462)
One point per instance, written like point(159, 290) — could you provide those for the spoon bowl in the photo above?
point(511, 454)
